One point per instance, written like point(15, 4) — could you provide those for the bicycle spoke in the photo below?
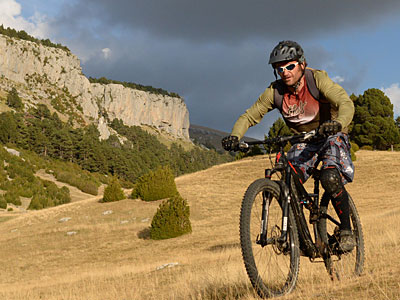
point(270, 266)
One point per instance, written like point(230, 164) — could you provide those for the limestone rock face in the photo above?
point(38, 67)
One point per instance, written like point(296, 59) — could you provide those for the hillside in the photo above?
point(208, 137)
point(44, 74)
point(102, 251)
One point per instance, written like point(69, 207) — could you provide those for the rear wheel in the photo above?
point(338, 264)
point(273, 268)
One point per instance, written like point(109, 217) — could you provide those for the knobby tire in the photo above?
point(273, 271)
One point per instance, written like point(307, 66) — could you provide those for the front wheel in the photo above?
point(338, 264)
point(272, 265)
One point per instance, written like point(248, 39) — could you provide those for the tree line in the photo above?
point(136, 86)
point(45, 134)
point(23, 35)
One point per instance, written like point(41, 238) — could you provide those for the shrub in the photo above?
point(83, 182)
point(12, 197)
point(47, 194)
point(156, 185)
point(63, 196)
point(353, 154)
point(3, 202)
point(113, 192)
point(13, 100)
point(366, 147)
point(171, 219)
point(18, 168)
point(354, 146)
point(39, 201)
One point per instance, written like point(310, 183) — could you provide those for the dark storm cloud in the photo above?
point(213, 53)
point(233, 20)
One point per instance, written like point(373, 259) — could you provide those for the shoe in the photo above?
point(347, 242)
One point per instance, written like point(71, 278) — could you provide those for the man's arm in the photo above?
point(255, 113)
point(336, 96)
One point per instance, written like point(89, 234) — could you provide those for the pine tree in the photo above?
point(14, 101)
point(113, 192)
point(373, 123)
point(172, 219)
point(156, 185)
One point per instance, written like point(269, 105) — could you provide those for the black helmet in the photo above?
point(286, 50)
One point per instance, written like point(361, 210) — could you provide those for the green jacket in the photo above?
point(340, 106)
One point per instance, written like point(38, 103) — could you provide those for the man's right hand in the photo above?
point(230, 143)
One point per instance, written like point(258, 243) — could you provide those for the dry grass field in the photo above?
point(103, 250)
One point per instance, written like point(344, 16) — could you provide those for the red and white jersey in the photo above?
point(300, 109)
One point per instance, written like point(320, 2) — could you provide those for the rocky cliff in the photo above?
point(54, 77)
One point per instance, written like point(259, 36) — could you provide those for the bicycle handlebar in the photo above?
point(302, 137)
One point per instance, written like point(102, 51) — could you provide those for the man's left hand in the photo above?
point(330, 127)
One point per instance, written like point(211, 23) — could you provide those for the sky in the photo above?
point(215, 53)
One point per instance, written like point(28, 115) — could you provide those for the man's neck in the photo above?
point(300, 85)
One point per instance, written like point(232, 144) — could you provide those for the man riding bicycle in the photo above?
point(308, 99)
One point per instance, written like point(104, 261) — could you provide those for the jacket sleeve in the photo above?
point(255, 113)
point(336, 96)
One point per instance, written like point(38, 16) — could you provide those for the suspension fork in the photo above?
point(284, 202)
point(285, 198)
point(264, 219)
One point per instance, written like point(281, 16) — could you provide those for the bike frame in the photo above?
point(294, 194)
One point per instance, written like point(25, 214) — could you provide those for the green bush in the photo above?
point(3, 202)
point(354, 146)
point(12, 197)
point(47, 194)
point(18, 168)
point(83, 182)
point(113, 192)
point(171, 219)
point(353, 154)
point(39, 201)
point(13, 100)
point(366, 147)
point(156, 185)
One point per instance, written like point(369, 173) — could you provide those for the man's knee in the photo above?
point(331, 181)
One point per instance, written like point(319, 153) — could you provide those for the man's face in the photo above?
point(290, 72)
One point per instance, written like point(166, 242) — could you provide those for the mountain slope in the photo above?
point(53, 76)
point(110, 257)
point(208, 137)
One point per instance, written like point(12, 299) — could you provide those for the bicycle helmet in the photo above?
point(285, 51)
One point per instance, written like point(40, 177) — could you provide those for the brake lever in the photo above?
point(243, 147)
point(310, 135)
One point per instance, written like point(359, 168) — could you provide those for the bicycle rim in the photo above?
point(272, 269)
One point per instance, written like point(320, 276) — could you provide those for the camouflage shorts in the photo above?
point(332, 152)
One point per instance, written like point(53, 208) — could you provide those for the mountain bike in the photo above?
point(275, 232)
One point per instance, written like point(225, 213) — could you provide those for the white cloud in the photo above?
point(338, 79)
point(106, 52)
point(393, 92)
point(10, 16)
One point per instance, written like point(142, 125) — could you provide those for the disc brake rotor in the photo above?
point(275, 234)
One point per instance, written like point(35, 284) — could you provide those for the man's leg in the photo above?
point(332, 183)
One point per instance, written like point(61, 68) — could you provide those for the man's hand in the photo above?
point(330, 127)
point(230, 143)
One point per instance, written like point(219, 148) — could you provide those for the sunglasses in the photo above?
point(288, 67)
